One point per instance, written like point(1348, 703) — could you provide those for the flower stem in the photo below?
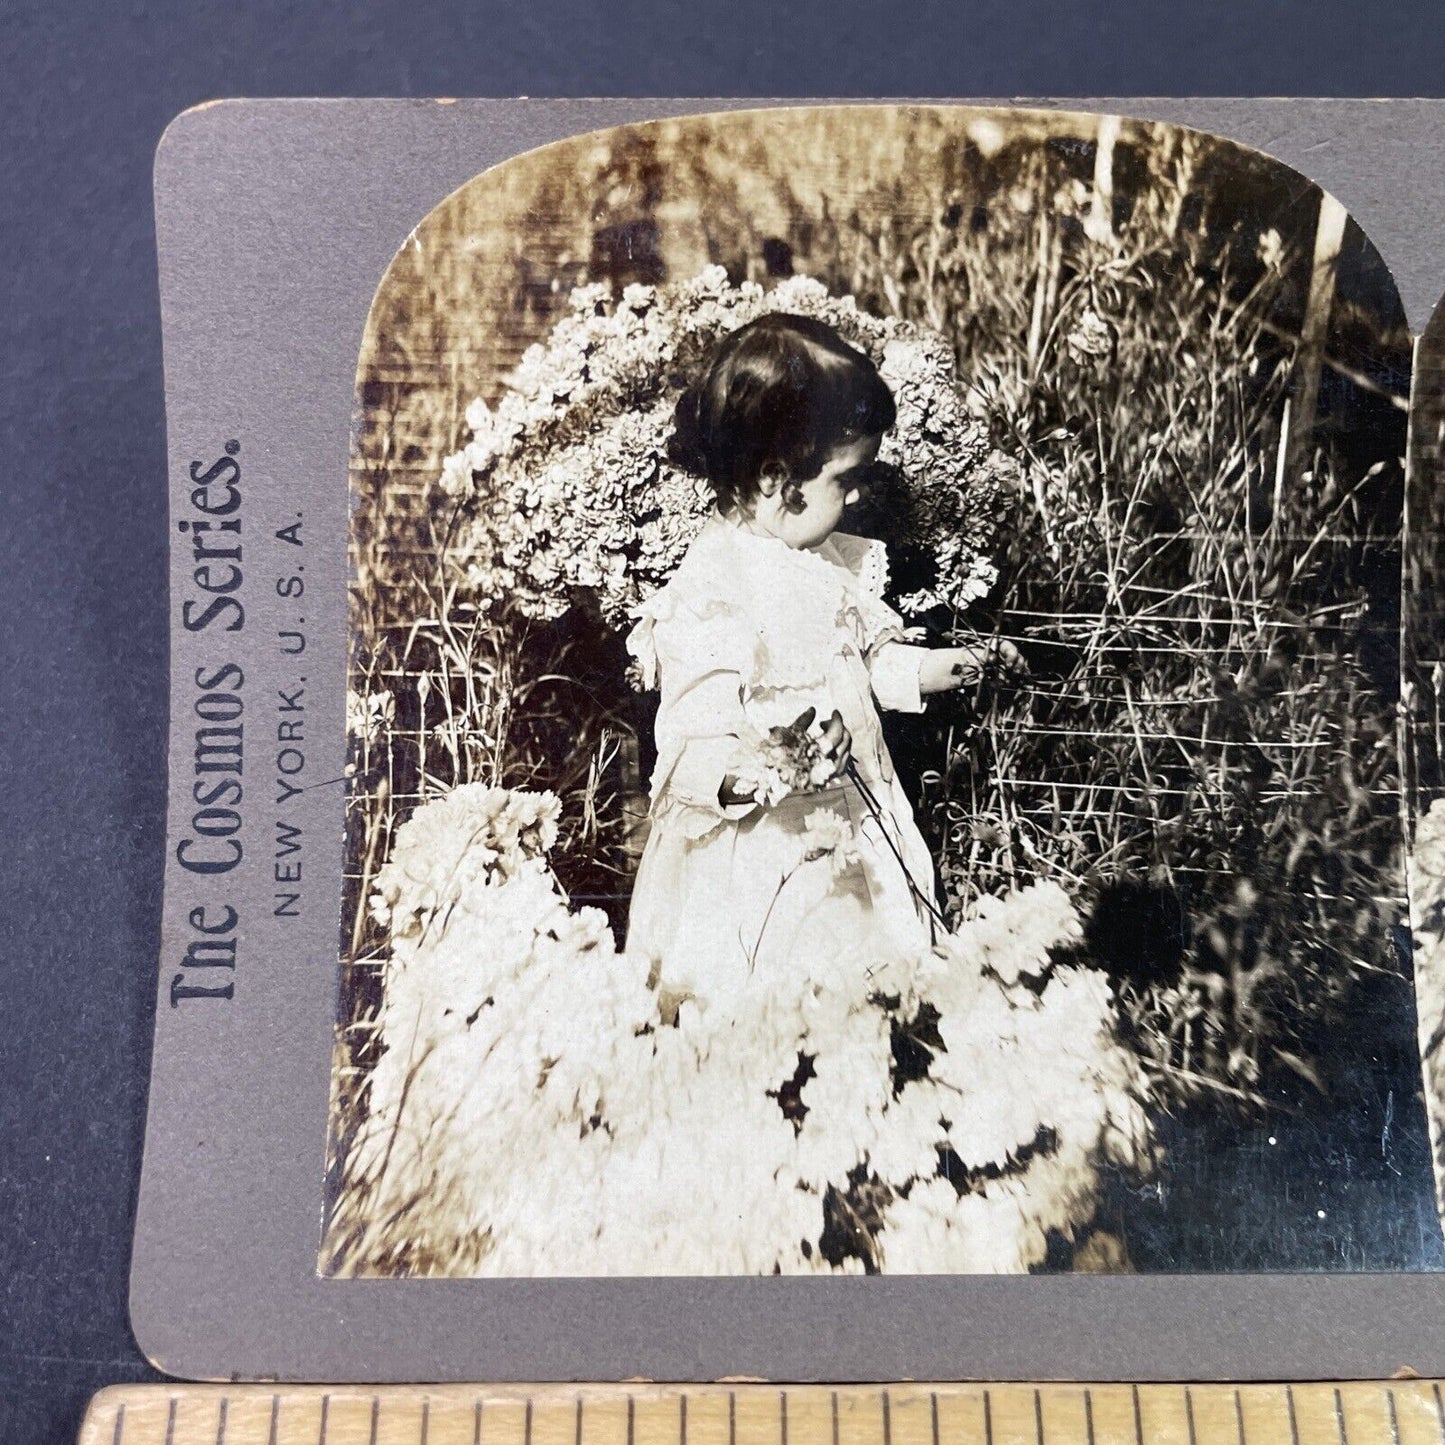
point(936, 919)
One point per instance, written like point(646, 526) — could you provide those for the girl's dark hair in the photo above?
point(782, 391)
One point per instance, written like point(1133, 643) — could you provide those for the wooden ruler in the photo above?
point(1400, 1412)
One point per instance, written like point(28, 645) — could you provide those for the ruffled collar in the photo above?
point(793, 607)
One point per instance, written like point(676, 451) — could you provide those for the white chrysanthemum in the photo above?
point(831, 835)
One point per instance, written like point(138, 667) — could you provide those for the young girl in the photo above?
point(779, 831)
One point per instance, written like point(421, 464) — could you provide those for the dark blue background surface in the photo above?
point(85, 91)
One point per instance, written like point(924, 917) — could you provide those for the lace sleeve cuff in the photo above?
point(893, 668)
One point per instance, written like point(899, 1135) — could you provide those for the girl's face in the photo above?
point(824, 497)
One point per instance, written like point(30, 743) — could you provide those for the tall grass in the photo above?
point(441, 693)
point(1210, 717)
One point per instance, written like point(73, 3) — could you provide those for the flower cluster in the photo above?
point(948, 471)
point(832, 836)
point(1427, 866)
point(469, 838)
point(369, 715)
point(565, 484)
point(1090, 339)
point(1014, 944)
point(786, 760)
point(535, 1111)
point(1270, 249)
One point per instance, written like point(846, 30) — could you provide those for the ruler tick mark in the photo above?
point(1367, 1414)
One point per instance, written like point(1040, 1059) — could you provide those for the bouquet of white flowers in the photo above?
point(566, 483)
point(785, 760)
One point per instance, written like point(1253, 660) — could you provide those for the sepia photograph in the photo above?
point(883, 721)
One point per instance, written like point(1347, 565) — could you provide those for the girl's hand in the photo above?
point(734, 792)
point(833, 741)
point(946, 669)
point(836, 744)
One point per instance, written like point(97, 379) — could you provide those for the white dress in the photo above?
point(747, 634)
